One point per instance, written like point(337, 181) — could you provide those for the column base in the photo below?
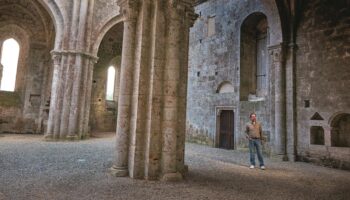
point(71, 137)
point(119, 171)
point(172, 177)
point(184, 170)
point(48, 137)
point(291, 157)
point(285, 158)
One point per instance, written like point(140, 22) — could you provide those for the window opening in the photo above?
point(9, 62)
point(110, 83)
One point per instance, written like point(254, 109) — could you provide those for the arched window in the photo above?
point(110, 83)
point(225, 87)
point(253, 70)
point(8, 67)
point(340, 131)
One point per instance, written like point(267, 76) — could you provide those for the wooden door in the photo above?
point(226, 137)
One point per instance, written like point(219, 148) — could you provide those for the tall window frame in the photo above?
point(110, 84)
point(9, 58)
point(254, 74)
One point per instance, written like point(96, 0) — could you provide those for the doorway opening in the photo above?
point(225, 136)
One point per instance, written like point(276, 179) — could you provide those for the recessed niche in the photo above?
point(307, 103)
point(317, 135)
point(340, 131)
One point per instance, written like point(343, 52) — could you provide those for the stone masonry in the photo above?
point(286, 60)
point(304, 113)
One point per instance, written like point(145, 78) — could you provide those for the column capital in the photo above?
point(186, 3)
point(191, 16)
point(128, 8)
point(184, 8)
point(58, 53)
point(56, 57)
point(276, 52)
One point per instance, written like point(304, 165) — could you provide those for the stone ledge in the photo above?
point(118, 171)
point(172, 177)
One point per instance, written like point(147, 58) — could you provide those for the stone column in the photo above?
point(1, 69)
point(55, 101)
point(120, 167)
point(1, 66)
point(152, 102)
point(291, 104)
point(69, 95)
point(180, 18)
point(278, 98)
point(171, 85)
point(86, 96)
point(72, 76)
point(189, 20)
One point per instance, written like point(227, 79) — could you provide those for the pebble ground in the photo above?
point(31, 168)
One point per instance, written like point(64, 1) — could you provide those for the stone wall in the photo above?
point(323, 77)
point(31, 26)
point(214, 59)
point(103, 115)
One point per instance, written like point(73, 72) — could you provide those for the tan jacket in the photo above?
point(254, 131)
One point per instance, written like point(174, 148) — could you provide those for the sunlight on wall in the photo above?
point(110, 83)
point(9, 60)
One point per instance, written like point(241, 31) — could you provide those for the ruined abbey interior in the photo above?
point(159, 73)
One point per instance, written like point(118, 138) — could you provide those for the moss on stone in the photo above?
point(9, 99)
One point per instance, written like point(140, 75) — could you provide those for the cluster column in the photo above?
point(70, 96)
point(72, 76)
point(152, 102)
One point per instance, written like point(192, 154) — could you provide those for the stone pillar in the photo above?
point(171, 94)
point(72, 77)
point(120, 167)
point(1, 66)
point(189, 20)
point(291, 144)
point(69, 95)
point(152, 102)
point(55, 101)
point(1, 69)
point(86, 97)
point(278, 95)
point(175, 89)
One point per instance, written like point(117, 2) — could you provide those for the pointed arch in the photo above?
point(57, 18)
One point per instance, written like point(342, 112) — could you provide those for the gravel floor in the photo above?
point(33, 169)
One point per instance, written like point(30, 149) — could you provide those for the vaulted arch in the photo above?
point(32, 26)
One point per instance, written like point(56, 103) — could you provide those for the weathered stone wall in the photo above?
point(10, 109)
point(31, 26)
point(103, 115)
point(216, 59)
point(323, 77)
